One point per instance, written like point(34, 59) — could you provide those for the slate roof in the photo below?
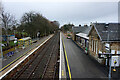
point(81, 29)
point(103, 29)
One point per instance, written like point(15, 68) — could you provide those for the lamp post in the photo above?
point(109, 56)
point(1, 50)
point(22, 33)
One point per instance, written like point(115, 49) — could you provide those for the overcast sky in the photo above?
point(66, 11)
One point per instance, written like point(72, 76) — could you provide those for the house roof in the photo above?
point(76, 29)
point(107, 32)
point(81, 29)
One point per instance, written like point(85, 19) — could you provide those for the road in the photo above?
point(81, 65)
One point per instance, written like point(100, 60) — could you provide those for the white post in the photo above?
point(15, 44)
point(1, 51)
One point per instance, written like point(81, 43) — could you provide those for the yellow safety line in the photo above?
point(62, 72)
point(18, 58)
point(15, 60)
point(67, 61)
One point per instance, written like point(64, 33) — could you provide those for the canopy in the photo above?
point(24, 39)
point(83, 35)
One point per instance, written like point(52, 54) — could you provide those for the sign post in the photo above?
point(115, 62)
point(15, 44)
point(109, 57)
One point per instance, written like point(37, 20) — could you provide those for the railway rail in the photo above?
point(43, 64)
point(50, 67)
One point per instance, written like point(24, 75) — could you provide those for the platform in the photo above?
point(80, 65)
point(10, 63)
point(62, 68)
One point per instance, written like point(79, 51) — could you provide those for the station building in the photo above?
point(104, 38)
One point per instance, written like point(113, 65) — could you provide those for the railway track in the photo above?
point(50, 67)
point(42, 65)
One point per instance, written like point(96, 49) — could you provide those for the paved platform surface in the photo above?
point(81, 65)
point(62, 69)
point(12, 65)
point(20, 52)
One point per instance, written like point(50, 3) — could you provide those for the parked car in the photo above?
point(68, 36)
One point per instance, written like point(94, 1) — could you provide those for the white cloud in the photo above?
point(76, 13)
point(60, 0)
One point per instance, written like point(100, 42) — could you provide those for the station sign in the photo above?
point(115, 61)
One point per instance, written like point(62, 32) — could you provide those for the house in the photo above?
point(82, 38)
point(104, 38)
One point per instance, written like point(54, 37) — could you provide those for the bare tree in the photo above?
point(8, 21)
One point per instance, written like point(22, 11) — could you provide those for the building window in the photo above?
point(80, 39)
point(113, 51)
point(94, 46)
point(118, 52)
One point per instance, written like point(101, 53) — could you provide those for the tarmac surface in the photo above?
point(82, 65)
